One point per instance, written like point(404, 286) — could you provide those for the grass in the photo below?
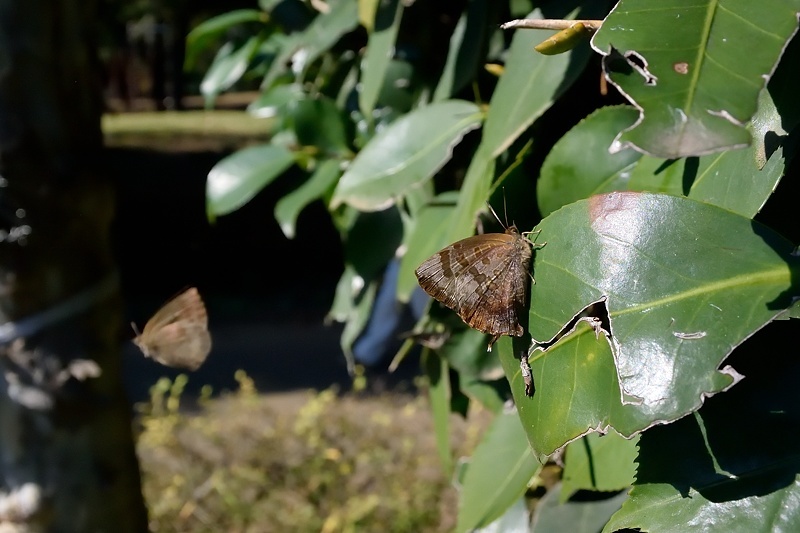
point(297, 462)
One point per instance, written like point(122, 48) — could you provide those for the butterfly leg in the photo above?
point(491, 342)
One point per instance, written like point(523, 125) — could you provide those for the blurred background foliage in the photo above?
point(395, 122)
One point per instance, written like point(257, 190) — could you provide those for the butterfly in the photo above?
point(484, 279)
point(177, 335)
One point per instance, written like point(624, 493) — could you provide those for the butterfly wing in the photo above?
point(177, 335)
point(497, 308)
point(180, 344)
point(483, 278)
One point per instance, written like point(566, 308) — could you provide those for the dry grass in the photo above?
point(297, 462)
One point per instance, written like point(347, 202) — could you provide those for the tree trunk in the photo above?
point(67, 460)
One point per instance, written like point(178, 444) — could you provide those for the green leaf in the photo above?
point(695, 70)
point(716, 474)
point(405, 154)
point(439, 393)
point(318, 186)
point(466, 352)
point(424, 239)
point(273, 102)
point(199, 38)
point(576, 391)
point(372, 241)
point(579, 165)
point(473, 195)
point(530, 83)
point(465, 51)
point(362, 295)
point(240, 176)
point(683, 282)
point(486, 394)
point(573, 517)
point(379, 52)
point(498, 474)
point(738, 180)
point(228, 67)
point(599, 463)
point(318, 123)
point(303, 48)
point(528, 87)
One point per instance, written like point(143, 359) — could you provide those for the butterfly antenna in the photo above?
point(495, 214)
point(135, 329)
point(505, 208)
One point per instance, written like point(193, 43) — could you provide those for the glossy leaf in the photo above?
point(240, 176)
point(529, 85)
point(531, 82)
point(515, 519)
point(580, 165)
point(739, 180)
point(300, 49)
point(356, 320)
point(695, 70)
point(588, 516)
point(465, 351)
point(199, 38)
point(498, 473)
point(228, 67)
point(472, 198)
point(576, 391)
point(372, 242)
point(465, 51)
point(685, 283)
point(405, 154)
point(318, 186)
point(599, 463)
point(318, 123)
point(274, 101)
point(726, 477)
point(378, 54)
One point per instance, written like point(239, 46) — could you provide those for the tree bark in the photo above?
point(67, 460)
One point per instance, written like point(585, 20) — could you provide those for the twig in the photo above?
point(550, 24)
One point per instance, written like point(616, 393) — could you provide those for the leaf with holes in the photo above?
point(683, 284)
point(694, 70)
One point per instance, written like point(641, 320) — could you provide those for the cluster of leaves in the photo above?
point(663, 253)
point(299, 462)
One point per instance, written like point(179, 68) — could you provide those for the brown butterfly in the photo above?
point(484, 279)
point(177, 335)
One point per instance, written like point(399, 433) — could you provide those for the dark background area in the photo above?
point(267, 295)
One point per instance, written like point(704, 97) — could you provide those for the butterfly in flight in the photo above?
point(177, 335)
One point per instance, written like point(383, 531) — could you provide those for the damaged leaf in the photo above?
point(580, 165)
point(694, 71)
point(726, 477)
point(684, 283)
